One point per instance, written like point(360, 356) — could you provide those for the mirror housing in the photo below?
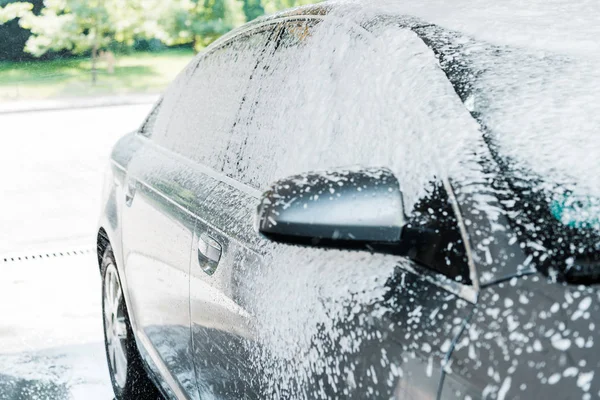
point(341, 208)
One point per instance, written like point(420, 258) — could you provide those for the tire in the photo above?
point(127, 374)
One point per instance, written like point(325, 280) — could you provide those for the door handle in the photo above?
point(209, 253)
point(130, 188)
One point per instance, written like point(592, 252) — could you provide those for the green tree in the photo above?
point(82, 26)
point(14, 10)
point(253, 9)
point(272, 6)
point(13, 36)
point(200, 22)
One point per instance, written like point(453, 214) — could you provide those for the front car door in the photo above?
point(291, 322)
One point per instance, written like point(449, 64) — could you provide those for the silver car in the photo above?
point(340, 202)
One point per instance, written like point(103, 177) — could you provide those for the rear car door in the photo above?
point(281, 321)
point(157, 237)
point(200, 132)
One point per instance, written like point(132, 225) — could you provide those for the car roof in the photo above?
point(506, 23)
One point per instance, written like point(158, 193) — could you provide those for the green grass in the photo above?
point(134, 73)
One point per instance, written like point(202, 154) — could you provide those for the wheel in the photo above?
point(127, 374)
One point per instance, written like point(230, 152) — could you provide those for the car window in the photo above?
point(256, 144)
point(160, 123)
point(202, 121)
point(438, 243)
point(147, 127)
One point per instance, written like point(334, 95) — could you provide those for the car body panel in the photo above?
point(114, 181)
point(529, 338)
point(221, 324)
point(158, 232)
point(233, 355)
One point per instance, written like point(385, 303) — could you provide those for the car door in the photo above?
point(157, 237)
point(201, 125)
point(277, 321)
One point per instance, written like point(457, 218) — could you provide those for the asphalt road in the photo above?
point(52, 162)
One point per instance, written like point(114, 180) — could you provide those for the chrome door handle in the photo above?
point(130, 188)
point(209, 253)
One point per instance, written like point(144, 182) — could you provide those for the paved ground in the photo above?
point(75, 102)
point(52, 164)
point(51, 332)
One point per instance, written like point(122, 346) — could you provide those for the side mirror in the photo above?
point(345, 208)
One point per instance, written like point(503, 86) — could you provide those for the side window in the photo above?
point(274, 105)
point(443, 250)
point(200, 125)
point(159, 118)
point(148, 126)
point(163, 113)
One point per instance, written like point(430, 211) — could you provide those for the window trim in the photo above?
point(225, 40)
point(465, 238)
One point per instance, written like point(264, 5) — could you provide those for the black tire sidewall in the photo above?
point(137, 384)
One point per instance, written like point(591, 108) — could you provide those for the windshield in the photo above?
point(542, 129)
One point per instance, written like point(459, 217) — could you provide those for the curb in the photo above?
point(76, 103)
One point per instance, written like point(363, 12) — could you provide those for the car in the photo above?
point(345, 201)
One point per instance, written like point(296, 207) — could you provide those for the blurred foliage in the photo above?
point(13, 37)
point(14, 10)
point(81, 26)
point(93, 26)
point(272, 6)
point(252, 9)
point(200, 21)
